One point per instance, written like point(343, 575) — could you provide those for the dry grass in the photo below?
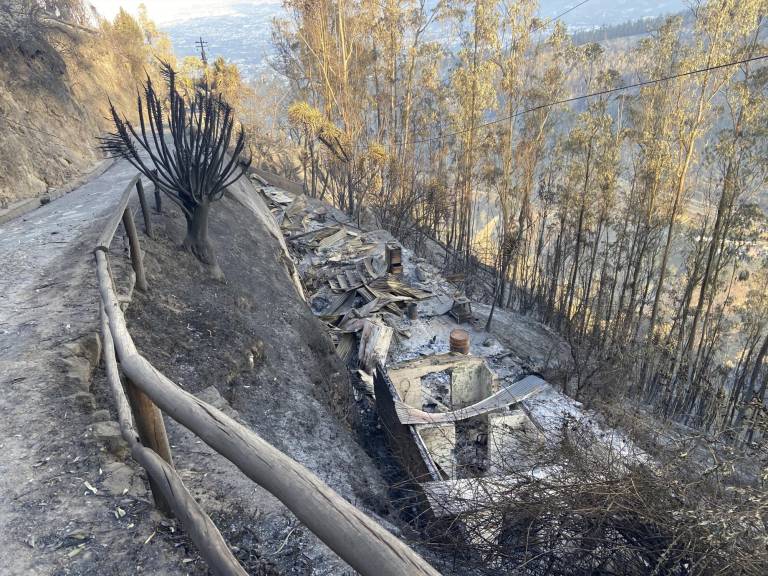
point(592, 509)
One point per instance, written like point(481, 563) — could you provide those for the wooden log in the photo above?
point(64, 26)
point(194, 520)
point(359, 540)
point(117, 216)
point(133, 242)
point(375, 341)
point(144, 208)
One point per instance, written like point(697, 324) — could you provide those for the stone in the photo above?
point(120, 478)
point(108, 433)
point(101, 415)
point(91, 347)
point(80, 358)
point(83, 400)
point(77, 373)
point(88, 347)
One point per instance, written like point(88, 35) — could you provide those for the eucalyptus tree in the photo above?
point(737, 158)
point(651, 115)
point(590, 179)
point(530, 74)
point(474, 94)
point(720, 30)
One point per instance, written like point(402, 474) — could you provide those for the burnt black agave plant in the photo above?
point(181, 146)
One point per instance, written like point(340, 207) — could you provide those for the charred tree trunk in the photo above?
point(197, 242)
point(758, 365)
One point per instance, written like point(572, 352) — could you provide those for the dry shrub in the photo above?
point(584, 506)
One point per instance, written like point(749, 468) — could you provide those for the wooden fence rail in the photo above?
point(196, 522)
point(357, 539)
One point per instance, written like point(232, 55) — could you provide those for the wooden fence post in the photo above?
point(149, 422)
point(133, 242)
point(158, 200)
point(144, 207)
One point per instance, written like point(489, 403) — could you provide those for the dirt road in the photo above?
point(67, 505)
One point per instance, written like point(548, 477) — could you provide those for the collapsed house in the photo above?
point(454, 420)
point(450, 411)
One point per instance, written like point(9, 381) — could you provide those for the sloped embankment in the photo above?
point(54, 87)
point(252, 347)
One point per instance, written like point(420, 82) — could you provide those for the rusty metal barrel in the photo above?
point(459, 341)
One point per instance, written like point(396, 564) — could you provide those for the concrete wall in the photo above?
point(410, 391)
point(441, 441)
point(471, 383)
point(504, 431)
point(471, 379)
point(407, 446)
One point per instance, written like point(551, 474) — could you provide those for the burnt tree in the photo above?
point(181, 144)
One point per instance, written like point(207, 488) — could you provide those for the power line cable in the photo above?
point(593, 94)
point(545, 23)
point(556, 18)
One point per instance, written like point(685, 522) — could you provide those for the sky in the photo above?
point(165, 11)
point(597, 12)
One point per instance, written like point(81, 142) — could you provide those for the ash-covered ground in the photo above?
point(252, 347)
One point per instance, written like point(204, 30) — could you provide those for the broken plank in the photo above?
point(375, 340)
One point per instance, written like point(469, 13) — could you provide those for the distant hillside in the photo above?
point(597, 13)
point(242, 33)
point(623, 30)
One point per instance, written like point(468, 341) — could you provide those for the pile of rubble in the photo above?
point(353, 278)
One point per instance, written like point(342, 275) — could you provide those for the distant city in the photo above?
point(242, 32)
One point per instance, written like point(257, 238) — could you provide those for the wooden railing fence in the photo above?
point(144, 391)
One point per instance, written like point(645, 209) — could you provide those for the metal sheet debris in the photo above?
point(344, 269)
point(513, 394)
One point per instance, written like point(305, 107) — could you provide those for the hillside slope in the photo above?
point(55, 83)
